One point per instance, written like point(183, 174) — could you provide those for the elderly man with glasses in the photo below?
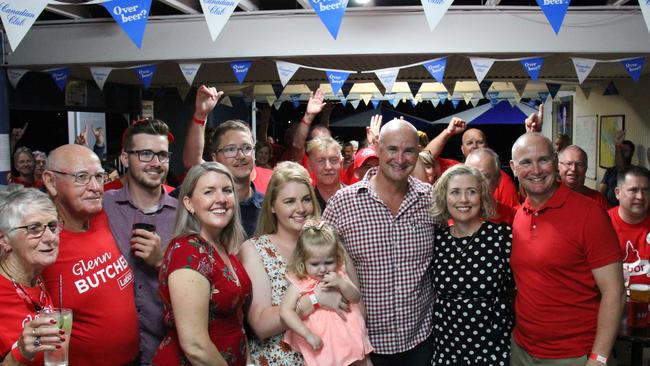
point(573, 170)
point(90, 275)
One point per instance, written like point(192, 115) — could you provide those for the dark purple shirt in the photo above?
point(122, 214)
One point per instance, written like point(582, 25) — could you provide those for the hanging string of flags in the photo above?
point(18, 16)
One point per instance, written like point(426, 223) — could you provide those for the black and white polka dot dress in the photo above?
point(472, 316)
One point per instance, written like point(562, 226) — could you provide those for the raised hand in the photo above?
point(316, 103)
point(99, 136)
point(456, 126)
point(206, 99)
point(535, 120)
point(619, 137)
point(372, 131)
point(17, 133)
point(82, 138)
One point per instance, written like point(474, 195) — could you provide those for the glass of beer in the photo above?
point(63, 319)
point(639, 299)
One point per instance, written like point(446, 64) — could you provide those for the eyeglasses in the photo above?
point(230, 151)
point(571, 164)
point(146, 156)
point(84, 178)
point(36, 230)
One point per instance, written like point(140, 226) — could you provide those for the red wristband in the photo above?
point(598, 358)
point(18, 356)
point(313, 299)
point(304, 122)
point(199, 121)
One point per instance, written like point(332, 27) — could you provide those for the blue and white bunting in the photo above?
point(217, 13)
point(240, 68)
point(331, 13)
point(394, 102)
point(555, 10)
point(414, 102)
point(533, 66)
point(455, 102)
point(277, 104)
point(481, 67)
point(435, 102)
point(474, 101)
point(435, 10)
point(375, 102)
point(286, 71)
point(645, 10)
point(14, 76)
point(146, 74)
point(553, 89)
point(343, 100)
point(436, 68)
point(388, 78)
point(18, 16)
point(189, 71)
point(131, 15)
point(100, 74)
point(634, 66)
point(337, 79)
point(494, 98)
point(583, 67)
point(295, 100)
point(443, 97)
point(355, 103)
point(60, 76)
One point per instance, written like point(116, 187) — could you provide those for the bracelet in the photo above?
point(314, 300)
point(304, 122)
point(199, 121)
point(18, 356)
point(598, 358)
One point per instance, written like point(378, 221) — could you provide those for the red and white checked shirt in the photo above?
point(392, 256)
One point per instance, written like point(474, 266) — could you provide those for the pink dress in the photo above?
point(344, 341)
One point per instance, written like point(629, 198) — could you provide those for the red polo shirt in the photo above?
point(598, 197)
point(634, 240)
point(506, 192)
point(554, 250)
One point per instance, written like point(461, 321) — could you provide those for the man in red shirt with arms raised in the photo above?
point(567, 266)
point(97, 279)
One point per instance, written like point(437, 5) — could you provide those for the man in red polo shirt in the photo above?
point(567, 266)
point(573, 171)
point(632, 221)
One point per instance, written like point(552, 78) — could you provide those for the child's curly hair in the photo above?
point(316, 233)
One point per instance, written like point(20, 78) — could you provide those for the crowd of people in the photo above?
point(320, 253)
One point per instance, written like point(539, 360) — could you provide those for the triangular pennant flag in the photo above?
point(454, 102)
point(60, 76)
point(295, 100)
point(520, 86)
point(414, 87)
point(553, 89)
point(485, 86)
point(240, 68)
point(226, 101)
point(14, 76)
point(512, 101)
point(189, 71)
point(517, 97)
point(346, 89)
point(475, 101)
point(533, 66)
point(217, 14)
point(277, 104)
point(467, 97)
point(494, 98)
point(435, 102)
point(645, 10)
point(611, 89)
point(331, 13)
point(146, 74)
point(543, 96)
point(583, 67)
point(271, 99)
point(586, 90)
point(366, 98)
point(343, 100)
point(387, 78)
point(313, 85)
point(355, 103)
point(336, 78)
point(450, 85)
point(100, 74)
point(634, 66)
point(394, 102)
point(183, 90)
point(18, 16)
point(375, 102)
point(554, 10)
point(481, 67)
point(435, 10)
point(414, 102)
point(131, 15)
point(436, 68)
point(443, 97)
point(380, 87)
point(286, 71)
point(277, 90)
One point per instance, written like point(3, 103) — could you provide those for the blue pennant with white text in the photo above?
point(533, 66)
point(634, 66)
point(60, 77)
point(240, 68)
point(554, 10)
point(331, 13)
point(146, 74)
point(337, 79)
point(131, 15)
point(436, 68)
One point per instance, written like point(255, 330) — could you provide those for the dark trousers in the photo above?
point(420, 355)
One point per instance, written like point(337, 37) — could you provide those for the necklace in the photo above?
point(471, 239)
point(20, 291)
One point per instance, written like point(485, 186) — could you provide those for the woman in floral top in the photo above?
point(202, 284)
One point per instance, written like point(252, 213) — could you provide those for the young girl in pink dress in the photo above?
point(323, 338)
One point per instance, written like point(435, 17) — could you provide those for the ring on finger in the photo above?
point(37, 341)
point(33, 332)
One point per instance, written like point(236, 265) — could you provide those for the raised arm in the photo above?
point(206, 99)
point(16, 134)
point(619, 160)
point(314, 107)
point(456, 126)
point(265, 118)
point(535, 120)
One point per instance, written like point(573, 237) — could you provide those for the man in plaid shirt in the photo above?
point(385, 226)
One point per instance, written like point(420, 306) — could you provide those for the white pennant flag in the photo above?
point(467, 97)
point(355, 103)
point(226, 101)
point(270, 99)
point(481, 66)
point(474, 101)
point(183, 90)
point(435, 102)
point(388, 78)
point(366, 98)
point(583, 66)
point(100, 74)
point(189, 70)
point(18, 16)
point(286, 71)
point(645, 10)
point(217, 13)
point(14, 76)
point(277, 104)
point(435, 10)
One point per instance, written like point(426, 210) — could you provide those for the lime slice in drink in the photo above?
point(65, 322)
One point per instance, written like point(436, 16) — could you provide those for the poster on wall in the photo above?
point(586, 139)
point(563, 117)
point(609, 125)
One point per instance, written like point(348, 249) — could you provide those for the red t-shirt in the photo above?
point(15, 313)
point(598, 197)
point(446, 163)
point(554, 250)
point(260, 178)
point(98, 287)
point(504, 215)
point(634, 240)
point(506, 192)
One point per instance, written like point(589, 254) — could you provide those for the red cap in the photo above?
point(363, 155)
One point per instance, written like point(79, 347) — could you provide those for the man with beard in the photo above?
point(142, 200)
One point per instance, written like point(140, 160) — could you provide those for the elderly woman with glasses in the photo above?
point(29, 242)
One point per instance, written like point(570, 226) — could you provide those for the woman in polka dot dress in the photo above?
point(472, 276)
